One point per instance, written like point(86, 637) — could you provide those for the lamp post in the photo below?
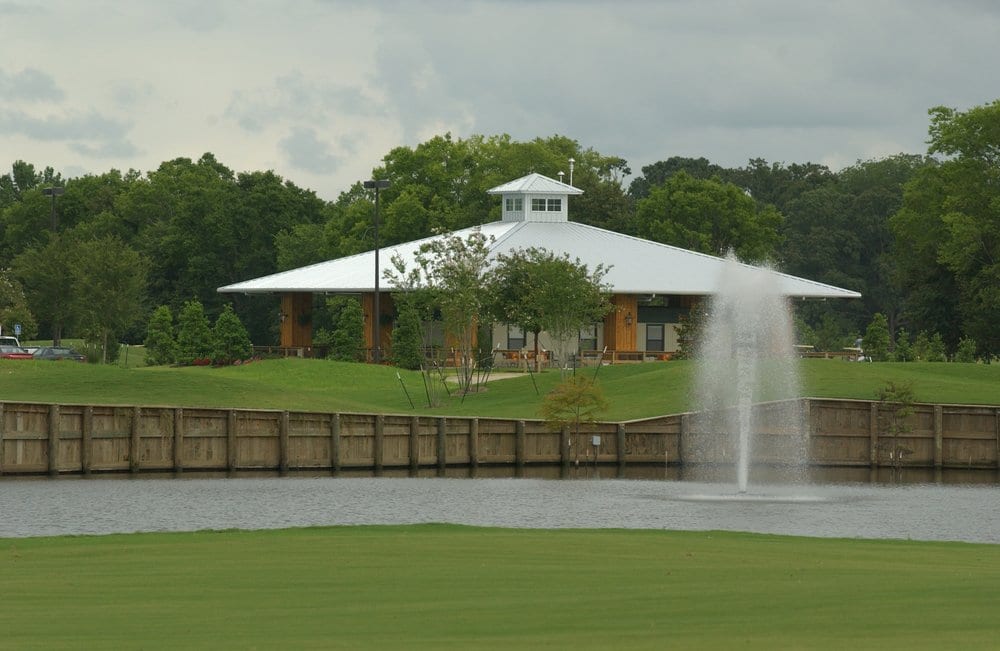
point(376, 184)
point(53, 192)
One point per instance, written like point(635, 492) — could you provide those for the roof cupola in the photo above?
point(535, 198)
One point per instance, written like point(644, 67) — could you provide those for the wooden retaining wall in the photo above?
point(54, 439)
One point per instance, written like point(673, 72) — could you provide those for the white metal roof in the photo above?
point(535, 184)
point(637, 266)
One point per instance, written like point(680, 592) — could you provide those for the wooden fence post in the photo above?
point(53, 439)
point(873, 434)
point(283, 444)
point(231, 450)
point(807, 434)
point(938, 436)
point(474, 444)
point(178, 439)
point(621, 448)
point(681, 439)
point(2, 426)
point(519, 448)
point(87, 440)
point(379, 438)
point(414, 445)
point(335, 444)
point(565, 449)
point(133, 457)
point(442, 445)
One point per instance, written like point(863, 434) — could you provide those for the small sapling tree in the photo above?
point(895, 407)
point(575, 402)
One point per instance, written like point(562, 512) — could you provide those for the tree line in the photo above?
point(918, 235)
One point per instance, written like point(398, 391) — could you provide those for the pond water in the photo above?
point(959, 507)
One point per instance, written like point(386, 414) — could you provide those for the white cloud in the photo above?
point(320, 91)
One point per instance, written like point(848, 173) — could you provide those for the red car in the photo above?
point(14, 352)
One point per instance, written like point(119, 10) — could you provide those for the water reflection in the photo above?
point(923, 505)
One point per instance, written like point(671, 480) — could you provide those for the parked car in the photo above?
point(7, 340)
point(14, 352)
point(57, 353)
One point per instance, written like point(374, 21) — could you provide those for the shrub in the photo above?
point(921, 346)
point(966, 351)
point(936, 351)
point(161, 345)
point(348, 333)
point(876, 339)
point(406, 349)
point(194, 336)
point(231, 340)
point(903, 351)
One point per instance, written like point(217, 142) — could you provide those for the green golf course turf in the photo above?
point(453, 587)
point(633, 391)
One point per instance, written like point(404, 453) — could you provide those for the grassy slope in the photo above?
point(449, 587)
point(635, 391)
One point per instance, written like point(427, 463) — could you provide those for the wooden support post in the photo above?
point(53, 439)
point(414, 445)
point(474, 444)
point(620, 433)
point(519, 448)
point(379, 438)
point(682, 439)
point(283, 444)
point(335, 444)
point(807, 421)
point(133, 457)
point(2, 426)
point(873, 435)
point(938, 436)
point(565, 449)
point(87, 440)
point(231, 440)
point(442, 445)
point(178, 440)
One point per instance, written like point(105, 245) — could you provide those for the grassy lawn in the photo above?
point(634, 391)
point(451, 587)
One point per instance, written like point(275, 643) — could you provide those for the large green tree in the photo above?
point(839, 234)
point(450, 273)
point(709, 216)
point(14, 307)
point(948, 230)
point(108, 289)
point(538, 290)
point(45, 272)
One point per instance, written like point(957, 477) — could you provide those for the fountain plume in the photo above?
point(746, 356)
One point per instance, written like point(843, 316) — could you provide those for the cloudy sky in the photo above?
point(319, 91)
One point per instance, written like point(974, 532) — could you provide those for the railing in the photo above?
point(624, 356)
point(290, 351)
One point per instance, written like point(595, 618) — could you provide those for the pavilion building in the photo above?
point(652, 284)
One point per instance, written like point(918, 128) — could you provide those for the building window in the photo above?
point(515, 204)
point(546, 205)
point(654, 337)
point(515, 338)
point(588, 337)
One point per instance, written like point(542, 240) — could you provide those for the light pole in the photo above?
point(53, 192)
point(376, 184)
